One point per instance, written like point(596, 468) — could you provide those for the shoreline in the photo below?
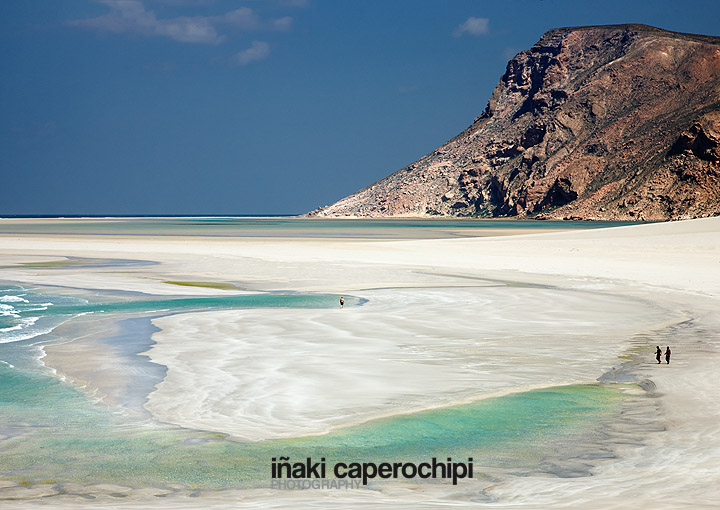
point(672, 265)
point(107, 364)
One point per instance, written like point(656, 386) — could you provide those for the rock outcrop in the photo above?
point(609, 122)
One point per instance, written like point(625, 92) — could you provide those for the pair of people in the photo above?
point(658, 354)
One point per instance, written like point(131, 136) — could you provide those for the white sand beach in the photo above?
point(433, 332)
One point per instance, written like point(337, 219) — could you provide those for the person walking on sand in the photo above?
point(342, 304)
point(658, 353)
point(667, 354)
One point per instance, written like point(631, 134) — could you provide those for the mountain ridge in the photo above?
point(614, 122)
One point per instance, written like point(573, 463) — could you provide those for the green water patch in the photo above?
point(181, 304)
point(68, 308)
point(206, 285)
point(56, 432)
point(33, 401)
point(48, 264)
point(81, 262)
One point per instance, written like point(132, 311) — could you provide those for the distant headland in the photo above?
point(618, 122)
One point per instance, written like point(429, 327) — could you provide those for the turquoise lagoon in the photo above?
point(51, 431)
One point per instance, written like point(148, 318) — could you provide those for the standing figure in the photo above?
point(658, 353)
point(667, 354)
point(342, 304)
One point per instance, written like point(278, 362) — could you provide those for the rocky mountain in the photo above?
point(609, 122)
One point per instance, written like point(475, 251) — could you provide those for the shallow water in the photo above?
point(25, 313)
point(48, 425)
point(290, 227)
point(54, 431)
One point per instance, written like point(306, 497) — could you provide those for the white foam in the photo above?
point(26, 331)
point(8, 311)
point(13, 299)
point(24, 323)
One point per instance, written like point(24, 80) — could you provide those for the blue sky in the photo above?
point(254, 107)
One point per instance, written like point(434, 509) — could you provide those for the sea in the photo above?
point(284, 226)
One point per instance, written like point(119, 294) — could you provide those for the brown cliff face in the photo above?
point(614, 122)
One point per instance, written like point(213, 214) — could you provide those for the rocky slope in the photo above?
point(608, 122)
